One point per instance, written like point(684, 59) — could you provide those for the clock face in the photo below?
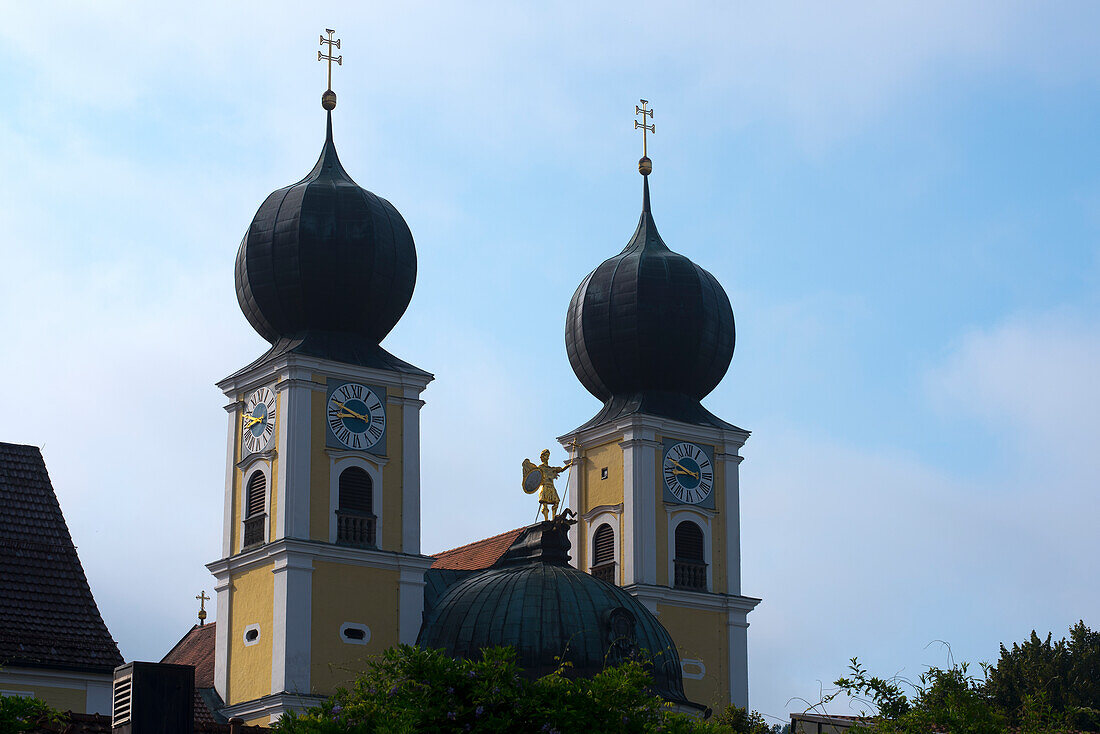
point(258, 423)
point(688, 473)
point(356, 416)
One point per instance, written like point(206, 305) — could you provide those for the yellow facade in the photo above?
point(345, 593)
point(62, 699)
point(251, 599)
point(701, 635)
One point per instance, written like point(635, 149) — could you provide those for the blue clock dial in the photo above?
point(688, 473)
point(258, 420)
point(356, 416)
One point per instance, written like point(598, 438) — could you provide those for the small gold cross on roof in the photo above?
point(203, 598)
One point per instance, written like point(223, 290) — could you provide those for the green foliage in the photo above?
point(409, 689)
point(26, 714)
point(1062, 676)
point(742, 721)
point(944, 700)
point(1037, 687)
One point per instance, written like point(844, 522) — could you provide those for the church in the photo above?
point(321, 564)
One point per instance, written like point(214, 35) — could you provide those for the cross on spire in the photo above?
point(651, 128)
point(203, 598)
point(328, 99)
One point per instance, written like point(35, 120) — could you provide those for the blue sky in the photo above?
point(902, 201)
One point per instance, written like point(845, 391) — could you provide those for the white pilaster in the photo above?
point(230, 470)
point(292, 480)
point(738, 630)
point(732, 510)
point(292, 634)
point(639, 513)
point(410, 472)
point(221, 633)
point(410, 603)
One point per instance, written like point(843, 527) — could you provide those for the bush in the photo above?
point(409, 689)
point(26, 714)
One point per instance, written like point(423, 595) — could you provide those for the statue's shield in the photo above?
point(532, 480)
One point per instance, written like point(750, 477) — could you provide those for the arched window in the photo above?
point(355, 513)
point(603, 553)
point(255, 506)
point(690, 561)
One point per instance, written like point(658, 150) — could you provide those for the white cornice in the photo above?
point(312, 550)
point(271, 705)
point(693, 599)
point(286, 364)
point(734, 438)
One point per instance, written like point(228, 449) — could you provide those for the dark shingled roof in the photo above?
point(48, 617)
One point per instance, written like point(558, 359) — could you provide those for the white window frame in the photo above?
point(244, 635)
point(612, 519)
point(259, 465)
point(354, 626)
point(682, 513)
point(373, 467)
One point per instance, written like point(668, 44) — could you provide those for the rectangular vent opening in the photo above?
point(122, 701)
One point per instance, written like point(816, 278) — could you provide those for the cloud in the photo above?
point(879, 553)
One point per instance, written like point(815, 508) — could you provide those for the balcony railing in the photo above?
point(354, 528)
point(254, 530)
point(691, 575)
point(605, 572)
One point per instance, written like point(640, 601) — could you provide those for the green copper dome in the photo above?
point(533, 601)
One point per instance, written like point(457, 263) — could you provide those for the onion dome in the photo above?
point(327, 262)
point(649, 331)
point(550, 613)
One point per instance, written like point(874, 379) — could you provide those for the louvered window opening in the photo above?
point(355, 519)
point(255, 516)
point(122, 697)
point(690, 566)
point(603, 554)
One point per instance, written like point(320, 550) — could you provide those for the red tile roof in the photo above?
point(477, 555)
point(196, 648)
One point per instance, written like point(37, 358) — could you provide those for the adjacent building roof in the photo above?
point(478, 555)
point(196, 649)
point(48, 617)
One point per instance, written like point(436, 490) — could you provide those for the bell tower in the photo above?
point(656, 490)
point(321, 563)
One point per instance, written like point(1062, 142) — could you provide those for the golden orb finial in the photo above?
point(645, 166)
point(328, 99)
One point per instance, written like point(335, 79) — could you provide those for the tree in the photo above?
point(1064, 676)
point(409, 689)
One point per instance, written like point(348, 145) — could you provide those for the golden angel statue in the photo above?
point(540, 478)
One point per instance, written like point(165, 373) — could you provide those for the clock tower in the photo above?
point(656, 490)
point(321, 563)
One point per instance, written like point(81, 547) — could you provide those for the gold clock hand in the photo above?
point(683, 469)
point(353, 414)
point(251, 420)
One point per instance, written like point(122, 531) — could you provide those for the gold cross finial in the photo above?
point(645, 166)
point(203, 598)
point(328, 99)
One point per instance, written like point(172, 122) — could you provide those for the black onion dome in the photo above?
point(550, 613)
point(325, 257)
point(651, 328)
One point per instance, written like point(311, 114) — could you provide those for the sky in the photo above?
point(902, 201)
